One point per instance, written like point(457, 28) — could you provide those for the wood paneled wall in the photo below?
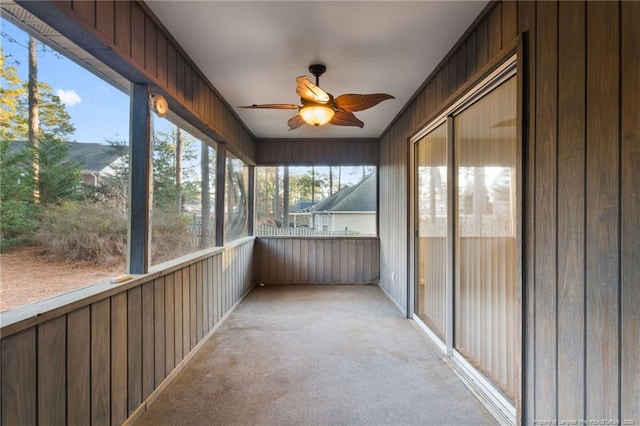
point(582, 209)
point(128, 38)
point(352, 152)
point(97, 361)
point(290, 260)
point(584, 230)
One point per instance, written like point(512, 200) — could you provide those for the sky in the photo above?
point(99, 111)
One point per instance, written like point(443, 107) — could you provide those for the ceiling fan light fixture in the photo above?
point(316, 114)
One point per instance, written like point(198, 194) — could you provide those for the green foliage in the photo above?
point(18, 215)
point(165, 184)
point(11, 91)
point(302, 187)
point(59, 178)
point(18, 223)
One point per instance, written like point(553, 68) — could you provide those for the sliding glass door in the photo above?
point(432, 229)
point(485, 234)
point(466, 240)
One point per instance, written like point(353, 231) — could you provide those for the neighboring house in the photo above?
point(97, 160)
point(352, 208)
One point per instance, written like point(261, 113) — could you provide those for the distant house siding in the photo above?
point(361, 222)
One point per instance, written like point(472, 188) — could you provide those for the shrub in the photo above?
point(18, 222)
point(96, 232)
point(93, 232)
point(172, 235)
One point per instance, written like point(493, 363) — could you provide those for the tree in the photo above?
point(11, 91)
point(33, 114)
point(166, 189)
point(32, 168)
point(18, 217)
point(306, 187)
point(59, 178)
point(34, 124)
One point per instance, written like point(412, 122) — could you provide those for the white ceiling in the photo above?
point(252, 51)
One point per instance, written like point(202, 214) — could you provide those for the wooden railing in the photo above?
point(99, 355)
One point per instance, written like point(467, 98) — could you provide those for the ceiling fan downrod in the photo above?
point(317, 70)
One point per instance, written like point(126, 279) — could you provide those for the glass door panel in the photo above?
point(485, 241)
point(431, 244)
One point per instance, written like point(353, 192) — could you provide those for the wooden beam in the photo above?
point(221, 160)
point(251, 199)
point(140, 184)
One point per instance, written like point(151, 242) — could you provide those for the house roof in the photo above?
point(360, 197)
point(91, 156)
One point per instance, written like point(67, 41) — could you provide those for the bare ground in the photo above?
point(26, 276)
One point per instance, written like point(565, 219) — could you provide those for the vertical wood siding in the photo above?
point(350, 152)
point(630, 213)
point(582, 210)
point(99, 362)
point(283, 260)
point(126, 35)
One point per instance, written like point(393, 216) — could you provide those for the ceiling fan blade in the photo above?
point(310, 92)
point(354, 102)
point(272, 106)
point(342, 118)
point(295, 122)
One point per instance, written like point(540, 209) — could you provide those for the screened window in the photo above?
point(182, 218)
point(236, 208)
point(63, 173)
point(316, 200)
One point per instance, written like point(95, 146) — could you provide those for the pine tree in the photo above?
point(42, 165)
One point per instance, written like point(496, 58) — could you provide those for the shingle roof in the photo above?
point(91, 156)
point(360, 197)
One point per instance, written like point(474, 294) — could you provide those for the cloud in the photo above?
point(68, 97)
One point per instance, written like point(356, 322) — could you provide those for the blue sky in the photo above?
point(99, 111)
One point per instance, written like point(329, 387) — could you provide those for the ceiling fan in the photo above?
point(319, 107)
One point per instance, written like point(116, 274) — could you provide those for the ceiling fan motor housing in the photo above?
point(317, 70)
